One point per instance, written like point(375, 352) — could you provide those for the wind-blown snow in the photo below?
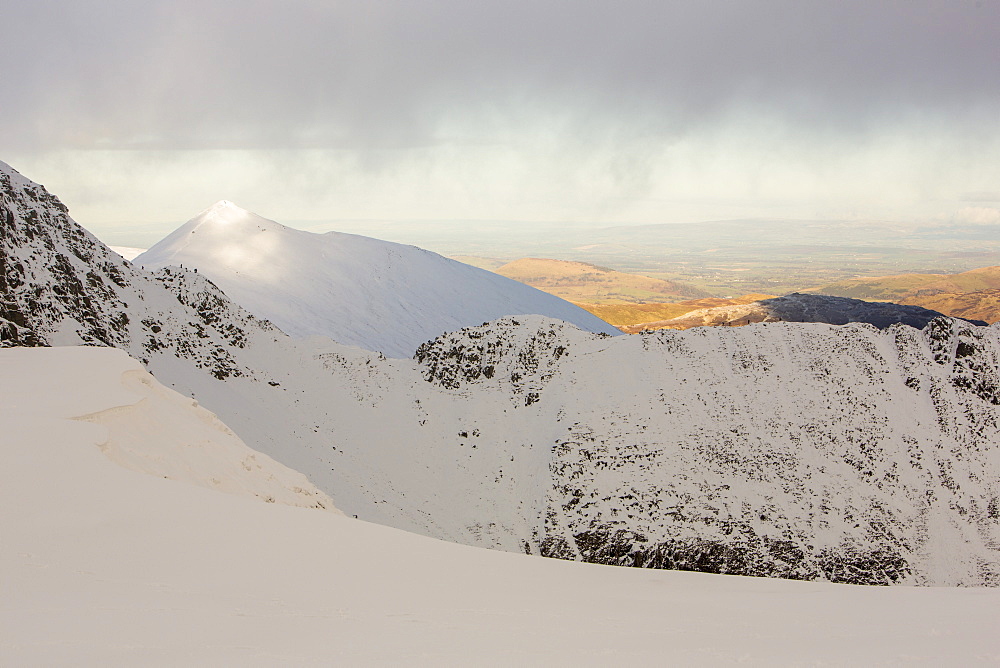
point(142, 425)
point(107, 566)
point(359, 291)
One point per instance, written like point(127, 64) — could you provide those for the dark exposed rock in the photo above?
point(519, 352)
point(798, 307)
point(744, 554)
point(59, 285)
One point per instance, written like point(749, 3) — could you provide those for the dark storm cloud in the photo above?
point(260, 74)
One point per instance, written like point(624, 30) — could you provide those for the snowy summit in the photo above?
point(356, 290)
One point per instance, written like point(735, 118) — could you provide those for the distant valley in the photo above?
point(634, 302)
point(584, 283)
point(722, 257)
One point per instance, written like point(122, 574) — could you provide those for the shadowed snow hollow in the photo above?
point(359, 291)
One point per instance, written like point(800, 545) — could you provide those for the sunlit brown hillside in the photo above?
point(633, 302)
point(890, 288)
point(584, 283)
point(632, 318)
point(971, 294)
point(978, 305)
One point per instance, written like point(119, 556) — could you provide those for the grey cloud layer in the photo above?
point(367, 74)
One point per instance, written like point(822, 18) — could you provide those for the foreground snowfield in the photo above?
point(107, 565)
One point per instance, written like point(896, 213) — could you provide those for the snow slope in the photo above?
point(106, 566)
point(359, 291)
point(139, 424)
point(804, 451)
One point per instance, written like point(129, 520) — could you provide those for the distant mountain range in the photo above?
point(794, 450)
point(356, 290)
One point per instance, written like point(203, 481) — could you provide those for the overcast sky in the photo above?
point(139, 112)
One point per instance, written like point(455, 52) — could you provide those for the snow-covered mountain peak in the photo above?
point(356, 290)
point(227, 214)
point(228, 239)
point(221, 226)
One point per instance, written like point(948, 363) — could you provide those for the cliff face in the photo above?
point(51, 267)
point(783, 449)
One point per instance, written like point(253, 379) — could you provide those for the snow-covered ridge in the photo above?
point(356, 290)
point(793, 450)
